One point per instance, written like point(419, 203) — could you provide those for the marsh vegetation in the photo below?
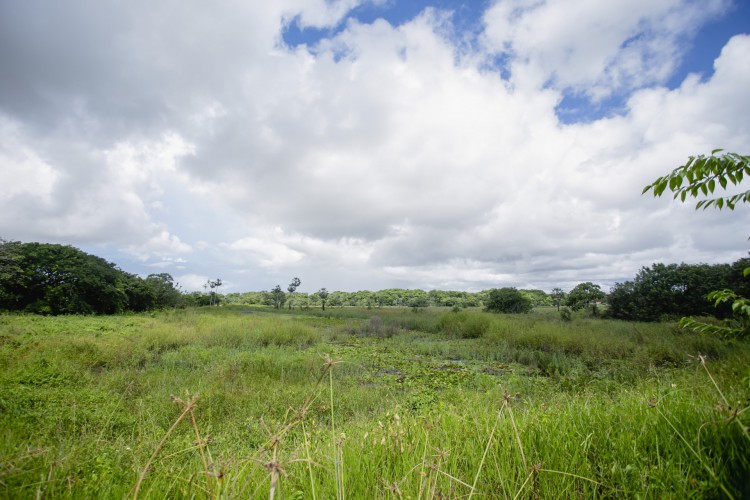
point(363, 403)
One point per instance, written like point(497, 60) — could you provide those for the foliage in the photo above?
point(323, 296)
point(164, 290)
point(213, 297)
point(702, 174)
point(508, 300)
point(584, 295)
point(565, 314)
point(558, 297)
point(293, 288)
point(699, 177)
point(464, 324)
point(56, 279)
point(277, 297)
point(538, 298)
point(672, 291)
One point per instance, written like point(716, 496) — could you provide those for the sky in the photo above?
point(371, 144)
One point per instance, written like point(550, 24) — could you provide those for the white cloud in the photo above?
point(591, 46)
point(383, 155)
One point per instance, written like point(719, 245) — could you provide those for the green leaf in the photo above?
point(720, 203)
point(723, 182)
point(746, 271)
point(704, 189)
point(711, 185)
point(716, 151)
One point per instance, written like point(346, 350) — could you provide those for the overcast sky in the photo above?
point(369, 144)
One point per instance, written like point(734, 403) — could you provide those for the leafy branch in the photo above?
point(703, 175)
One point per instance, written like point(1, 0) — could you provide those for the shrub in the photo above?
point(508, 300)
point(566, 314)
point(464, 325)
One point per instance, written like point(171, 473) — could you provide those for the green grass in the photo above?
point(358, 403)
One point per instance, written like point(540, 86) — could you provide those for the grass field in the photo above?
point(357, 403)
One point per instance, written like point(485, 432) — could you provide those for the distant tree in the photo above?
point(537, 297)
point(164, 288)
point(507, 300)
point(140, 296)
point(292, 288)
point(214, 285)
point(558, 297)
point(277, 297)
point(584, 295)
point(419, 303)
point(323, 296)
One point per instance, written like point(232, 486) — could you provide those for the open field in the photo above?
point(357, 403)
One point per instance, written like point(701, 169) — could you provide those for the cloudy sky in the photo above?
point(368, 144)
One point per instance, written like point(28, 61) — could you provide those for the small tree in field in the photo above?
point(323, 296)
point(277, 297)
point(507, 300)
point(585, 294)
point(698, 178)
point(292, 288)
point(558, 297)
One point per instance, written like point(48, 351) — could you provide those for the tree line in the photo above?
point(47, 278)
point(56, 279)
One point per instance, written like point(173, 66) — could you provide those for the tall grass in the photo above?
point(468, 404)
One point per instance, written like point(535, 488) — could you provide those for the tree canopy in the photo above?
point(583, 295)
point(671, 291)
point(48, 278)
point(508, 300)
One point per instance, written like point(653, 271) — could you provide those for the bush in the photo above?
point(464, 325)
point(508, 300)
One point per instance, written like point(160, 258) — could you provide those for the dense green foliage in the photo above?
point(672, 291)
point(521, 406)
point(55, 279)
point(508, 300)
point(585, 295)
point(698, 178)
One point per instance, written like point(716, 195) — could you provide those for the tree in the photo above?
point(323, 296)
point(558, 297)
point(537, 297)
point(419, 303)
point(213, 299)
point(674, 290)
point(277, 297)
point(583, 295)
point(164, 289)
point(57, 279)
point(698, 178)
point(292, 288)
point(507, 300)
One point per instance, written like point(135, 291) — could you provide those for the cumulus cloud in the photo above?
point(382, 155)
point(594, 47)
